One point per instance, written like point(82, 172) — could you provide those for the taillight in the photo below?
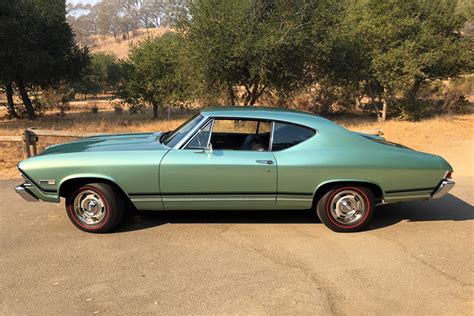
point(449, 174)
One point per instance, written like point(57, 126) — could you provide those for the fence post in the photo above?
point(26, 144)
point(33, 141)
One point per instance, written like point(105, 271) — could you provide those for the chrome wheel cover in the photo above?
point(89, 208)
point(347, 207)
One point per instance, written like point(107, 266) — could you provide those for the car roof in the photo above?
point(270, 113)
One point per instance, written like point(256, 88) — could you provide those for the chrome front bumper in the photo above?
point(444, 187)
point(23, 191)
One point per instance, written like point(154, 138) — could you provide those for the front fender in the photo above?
point(87, 176)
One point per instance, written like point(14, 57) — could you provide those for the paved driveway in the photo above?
point(415, 258)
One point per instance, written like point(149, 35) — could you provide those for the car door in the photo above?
point(221, 169)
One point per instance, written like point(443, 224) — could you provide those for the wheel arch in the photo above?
point(67, 184)
point(325, 186)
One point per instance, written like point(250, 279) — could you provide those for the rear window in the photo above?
point(287, 135)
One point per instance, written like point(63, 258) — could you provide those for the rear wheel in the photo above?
point(346, 208)
point(95, 207)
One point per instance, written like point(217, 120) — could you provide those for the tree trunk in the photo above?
point(10, 104)
point(357, 102)
point(377, 110)
point(384, 110)
point(231, 95)
point(155, 110)
point(413, 91)
point(253, 93)
point(257, 94)
point(30, 112)
point(385, 104)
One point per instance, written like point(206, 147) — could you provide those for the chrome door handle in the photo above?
point(266, 162)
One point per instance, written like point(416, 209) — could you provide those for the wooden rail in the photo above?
point(30, 138)
point(11, 139)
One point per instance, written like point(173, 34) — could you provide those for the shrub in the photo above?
point(58, 98)
point(118, 108)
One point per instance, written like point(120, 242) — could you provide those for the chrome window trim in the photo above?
point(315, 130)
point(210, 132)
point(190, 134)
point(270, 143)
point(211, 121)
point(205, 119)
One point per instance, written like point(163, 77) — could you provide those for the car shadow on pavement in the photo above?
point(449, 208)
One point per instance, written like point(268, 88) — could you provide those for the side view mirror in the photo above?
point(209, 148)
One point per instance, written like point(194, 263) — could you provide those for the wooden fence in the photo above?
point(30, 138)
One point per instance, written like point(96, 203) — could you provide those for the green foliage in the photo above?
point(156, 74)
point(258, 45)
point(57, 98)
point(118, 108)
point(391, 46)
point(38, 47)
point(417, 41)
point(41, 45)
point(101, 75)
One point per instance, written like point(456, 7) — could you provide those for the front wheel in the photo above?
point(346, 208)
point(95, 207)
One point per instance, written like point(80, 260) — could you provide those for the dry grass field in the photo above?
point(449, 136)
point(119, 47)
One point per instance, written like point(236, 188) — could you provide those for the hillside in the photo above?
point(120, 47)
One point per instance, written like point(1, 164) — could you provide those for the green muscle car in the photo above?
point(234, 158)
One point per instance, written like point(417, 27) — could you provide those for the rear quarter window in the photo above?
point(286, 135)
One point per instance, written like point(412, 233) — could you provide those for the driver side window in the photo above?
point(234, 134)
point(201, 139)
point(241, 134)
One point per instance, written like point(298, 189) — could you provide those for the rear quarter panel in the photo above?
point(322, 159)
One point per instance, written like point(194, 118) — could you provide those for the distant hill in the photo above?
point(120, 47)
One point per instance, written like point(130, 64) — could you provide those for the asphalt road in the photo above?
point(415, 258)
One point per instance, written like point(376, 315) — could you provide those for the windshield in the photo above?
point(170, 139)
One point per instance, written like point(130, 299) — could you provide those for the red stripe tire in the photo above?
point(346, 208)
point(95, 207)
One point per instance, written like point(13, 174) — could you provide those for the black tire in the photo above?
point(357, 203)
point(107, 205)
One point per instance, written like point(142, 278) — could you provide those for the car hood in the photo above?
point(115, 142)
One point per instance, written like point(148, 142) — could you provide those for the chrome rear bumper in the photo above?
point(444, 187)
point(23, 191)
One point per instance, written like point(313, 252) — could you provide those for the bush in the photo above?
point(455, 102)
point(118, 108)
point(38, 107)
point(58, 98)
point(407, 110)
point(330, 99)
